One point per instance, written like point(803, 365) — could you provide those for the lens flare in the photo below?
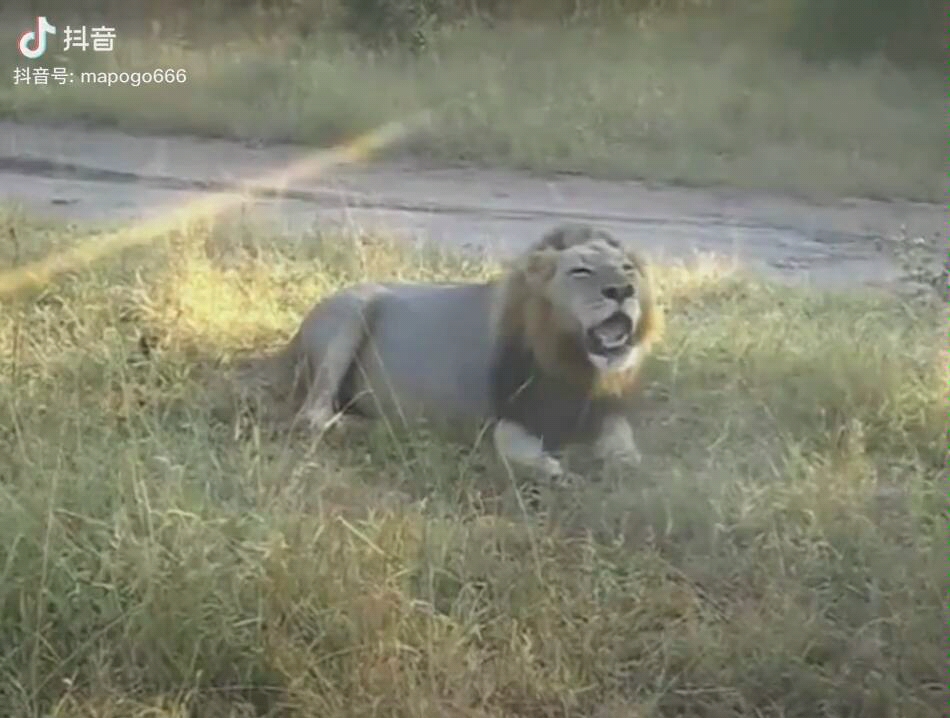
point(40, 273)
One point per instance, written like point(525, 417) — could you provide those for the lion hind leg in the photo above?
point(330, 370)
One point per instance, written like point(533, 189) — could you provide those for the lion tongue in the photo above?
point(614, 332)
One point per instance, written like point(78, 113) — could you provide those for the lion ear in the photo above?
point(637, 259)
point(539, 267)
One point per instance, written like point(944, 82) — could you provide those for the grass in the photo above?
point(668, 102)
point(781, 553)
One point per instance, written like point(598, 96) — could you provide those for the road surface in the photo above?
point(84, 174)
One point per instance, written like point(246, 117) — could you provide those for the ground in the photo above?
point(781, 552)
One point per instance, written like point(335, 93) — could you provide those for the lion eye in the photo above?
point(581, 272)
point(628, 267)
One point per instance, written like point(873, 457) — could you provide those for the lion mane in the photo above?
point(523, 313)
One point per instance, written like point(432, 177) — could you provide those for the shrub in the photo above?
point(908, 32)
point(381, 23)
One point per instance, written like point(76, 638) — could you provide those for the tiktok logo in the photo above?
point(33, 42)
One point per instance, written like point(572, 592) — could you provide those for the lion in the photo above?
point(548, 353)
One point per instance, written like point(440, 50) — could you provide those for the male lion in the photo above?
point(548, 352)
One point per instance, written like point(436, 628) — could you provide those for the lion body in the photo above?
point(534, 351)
point(425, 352)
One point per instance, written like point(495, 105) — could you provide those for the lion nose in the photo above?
point(619, 292)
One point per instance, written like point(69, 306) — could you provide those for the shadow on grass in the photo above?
point(779, 553)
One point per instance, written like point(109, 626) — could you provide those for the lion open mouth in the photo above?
point(611, 337)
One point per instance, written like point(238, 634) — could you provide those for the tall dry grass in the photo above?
point(672, 101)
point(781, 552)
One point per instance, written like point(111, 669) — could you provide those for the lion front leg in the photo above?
point(615, 445)
point(516, 445)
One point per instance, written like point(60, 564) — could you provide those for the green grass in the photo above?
point(669, 102)
point(782, 552)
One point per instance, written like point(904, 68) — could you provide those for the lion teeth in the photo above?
point(614, 343)
point(611, 338)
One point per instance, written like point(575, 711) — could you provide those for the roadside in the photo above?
point(668, 103)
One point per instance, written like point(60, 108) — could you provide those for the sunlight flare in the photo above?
point(41, 272)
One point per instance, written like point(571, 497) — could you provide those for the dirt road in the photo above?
point(104, 175)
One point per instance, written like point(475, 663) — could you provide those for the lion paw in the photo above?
point(535, 493)
point(552, 470)
point(566, 480)
point(628, 459)
point(320, 418)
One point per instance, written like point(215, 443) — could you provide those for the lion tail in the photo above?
point(276, 383)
